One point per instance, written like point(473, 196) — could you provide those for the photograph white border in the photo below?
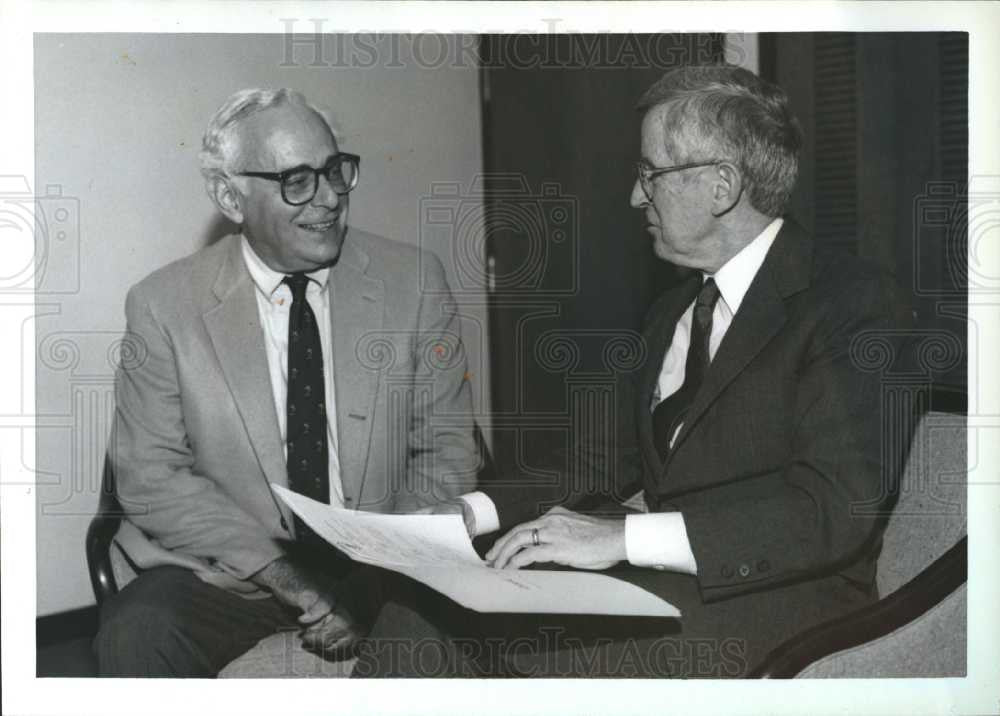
point(23, 693)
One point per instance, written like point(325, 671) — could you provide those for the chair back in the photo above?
point(101, 532)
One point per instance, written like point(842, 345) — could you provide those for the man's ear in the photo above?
point(226, 198)
point(727, 189)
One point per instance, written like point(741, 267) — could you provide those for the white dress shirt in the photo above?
point(274, 303)
point(659, 540)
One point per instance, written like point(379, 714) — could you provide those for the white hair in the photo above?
point(723, 112)
point(220, 145)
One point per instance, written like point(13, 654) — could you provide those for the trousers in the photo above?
point(168, 623)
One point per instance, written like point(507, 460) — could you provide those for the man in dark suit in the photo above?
point(752, 430)
point(298, 352)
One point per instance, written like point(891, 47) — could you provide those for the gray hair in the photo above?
point(219, 145)
point(728, 113)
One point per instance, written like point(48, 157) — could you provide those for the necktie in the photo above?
point(670, 413)
point(308, 471)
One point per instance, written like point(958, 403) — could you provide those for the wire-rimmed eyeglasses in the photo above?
point(648, 174)
point(299, 184)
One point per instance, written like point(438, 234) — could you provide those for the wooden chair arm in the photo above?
point(901, 607)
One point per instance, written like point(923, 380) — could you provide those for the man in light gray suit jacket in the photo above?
point(212, 408)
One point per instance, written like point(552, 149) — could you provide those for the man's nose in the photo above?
point(325, 194)
point(638, 199)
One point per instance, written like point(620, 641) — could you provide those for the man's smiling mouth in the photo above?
point(320, 227)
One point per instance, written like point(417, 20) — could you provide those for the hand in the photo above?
point(453, 507)
point(298, 588)
point(564, 537)
point(335, 637)
point(328, 631)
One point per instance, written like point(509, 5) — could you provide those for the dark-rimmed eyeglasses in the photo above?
point(648, 174)
point(299, 184)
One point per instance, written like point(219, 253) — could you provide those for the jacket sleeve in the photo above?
point(152, 457)
point(820, 510)
point(443, 457)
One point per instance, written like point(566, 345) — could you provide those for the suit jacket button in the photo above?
point(727, 571)
point(763, 565)
point(744, 570)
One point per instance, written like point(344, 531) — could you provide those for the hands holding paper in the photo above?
point(437, 551)
point(563, 537)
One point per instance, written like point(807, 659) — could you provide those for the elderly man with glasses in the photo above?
point(753, 432)
point(298, 352)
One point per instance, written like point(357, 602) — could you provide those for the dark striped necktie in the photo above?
point(670, 413)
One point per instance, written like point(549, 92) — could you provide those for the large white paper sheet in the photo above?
point(436, 550)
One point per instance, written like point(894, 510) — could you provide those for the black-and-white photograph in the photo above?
point(504, 357)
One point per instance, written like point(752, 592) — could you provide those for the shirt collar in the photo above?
point(736, 275)
point(266, 278)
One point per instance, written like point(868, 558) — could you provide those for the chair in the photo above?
point(918, 627)
point(276, 656)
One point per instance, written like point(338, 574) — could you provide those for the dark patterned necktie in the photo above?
point(670, 413)
point(308, 460)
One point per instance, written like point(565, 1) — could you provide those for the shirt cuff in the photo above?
point(659, 540)
point(483, 509)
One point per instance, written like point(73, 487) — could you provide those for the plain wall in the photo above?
point(118, 124)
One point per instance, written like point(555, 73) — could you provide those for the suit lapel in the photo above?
point(357, 308)
point(234, 328)
point(784, 272)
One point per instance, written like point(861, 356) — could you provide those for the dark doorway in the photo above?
point(573, 271)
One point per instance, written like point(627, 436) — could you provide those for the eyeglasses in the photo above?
point(299, 184)
point(648, 174)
